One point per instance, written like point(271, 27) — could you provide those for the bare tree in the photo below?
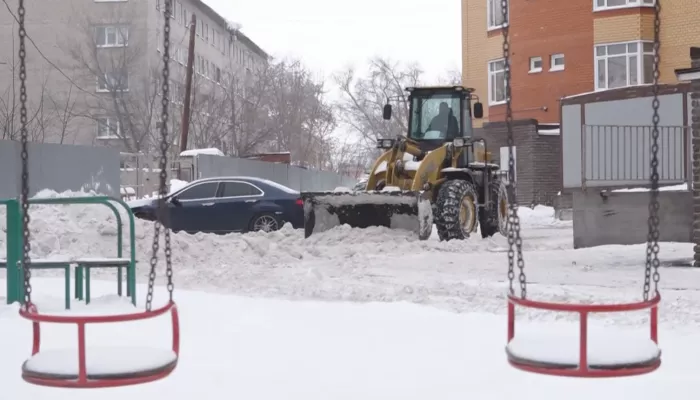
point(125, 104)
point(301, 116)
point(363, 98)
point(64, 109)
point(350, 157)
point(453, 76)
point(48, 119)
point(279, 108)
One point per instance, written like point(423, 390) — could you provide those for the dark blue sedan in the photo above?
point(228, 204)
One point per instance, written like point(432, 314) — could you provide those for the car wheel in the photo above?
point(265, 223)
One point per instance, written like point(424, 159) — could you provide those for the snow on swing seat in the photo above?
point(609, 350)
point(101, 363)
point(98, 367)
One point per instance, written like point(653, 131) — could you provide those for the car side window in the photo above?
point(234, 189)
point(201, 191)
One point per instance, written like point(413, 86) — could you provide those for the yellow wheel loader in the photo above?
point(438, 174)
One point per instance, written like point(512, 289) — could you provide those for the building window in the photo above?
point(112, 36)
point(535, 64)
point(613, 4)
point(624, 64)
point(497, 82)
point(115, 81)
point(494, 14)
point(556, 62)
point(108, 128)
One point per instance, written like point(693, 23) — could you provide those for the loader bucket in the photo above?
point(394, 210)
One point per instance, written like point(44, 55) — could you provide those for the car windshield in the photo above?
point(435, 116)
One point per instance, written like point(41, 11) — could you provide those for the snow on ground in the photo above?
point(243, 348)
point(378, 264)
point(448, 344)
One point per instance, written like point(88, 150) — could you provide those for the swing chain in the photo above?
point(24, 200)
point(652, 261)
point(163, 163)
point(514, 238)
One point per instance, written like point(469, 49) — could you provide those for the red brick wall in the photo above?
point(541, 28)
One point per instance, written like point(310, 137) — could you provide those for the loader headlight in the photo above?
point(459, 142)
point(385, 143)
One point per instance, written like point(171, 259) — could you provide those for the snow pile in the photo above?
point(373, 264)
point(176, 184)
point(208, 152)
point(541, 216)
point(90, 230)
point(672, 188)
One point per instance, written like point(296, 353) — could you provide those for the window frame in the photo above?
point(118, 29)
point(111, 135)
point(533, 60)
point(106, 79)
point(190, 187)
point(640, 53)
point(223, 188)
point(491, 89)
point(489, 13)
point(552, 66)
point(628, 4)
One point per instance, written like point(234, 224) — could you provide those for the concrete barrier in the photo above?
point(622, 217)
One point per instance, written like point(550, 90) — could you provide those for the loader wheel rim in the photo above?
point(467, 214)
point(503, 208)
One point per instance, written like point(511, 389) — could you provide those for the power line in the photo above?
point(44, 57)
point(88, 92)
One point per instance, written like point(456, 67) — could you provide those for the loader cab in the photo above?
point(439, 114)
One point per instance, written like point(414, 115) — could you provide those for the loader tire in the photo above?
point(456, 210)
point(493, 218)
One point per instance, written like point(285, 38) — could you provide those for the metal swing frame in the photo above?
point(29, 311)
point(583, 369)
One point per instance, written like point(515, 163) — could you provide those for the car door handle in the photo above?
point(251, 201)
point(207, 204)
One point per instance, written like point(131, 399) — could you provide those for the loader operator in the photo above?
point(445, 122)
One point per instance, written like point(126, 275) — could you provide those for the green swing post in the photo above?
point(15, 278)
point(13, 245)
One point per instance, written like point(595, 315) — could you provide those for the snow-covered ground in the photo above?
point(261, 349)
point(447, 344)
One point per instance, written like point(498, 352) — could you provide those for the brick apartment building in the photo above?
point(81, 52)
point(565, 47)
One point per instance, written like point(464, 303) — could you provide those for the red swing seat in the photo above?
point(586, 364)
point(101, 367)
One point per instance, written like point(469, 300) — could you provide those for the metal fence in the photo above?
point(303, 180)
point(620, 155)
point(139, 173)
point(59, 167)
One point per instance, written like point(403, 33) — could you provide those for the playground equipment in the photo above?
point(15, 289)
point(96, 368)
point(546, 357)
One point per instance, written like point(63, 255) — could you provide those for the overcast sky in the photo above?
point(330, 34)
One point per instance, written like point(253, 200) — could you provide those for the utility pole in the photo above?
point(188, 86)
